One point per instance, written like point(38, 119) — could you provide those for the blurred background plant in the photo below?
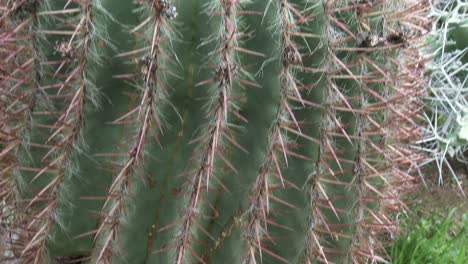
point(447, 106)
point(433, 238)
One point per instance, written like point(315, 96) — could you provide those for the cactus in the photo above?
point(212, 131)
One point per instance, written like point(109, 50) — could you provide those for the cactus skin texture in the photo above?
point(207, 131)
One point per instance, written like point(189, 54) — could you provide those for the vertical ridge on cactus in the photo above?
point(374, 181)
point(146, 117)
point(221, 130)
point(318, 197)
point(270, 177)
point(68, 96)
point(223, 107)
point(19, 79)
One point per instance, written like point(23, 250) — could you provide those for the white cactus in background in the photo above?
point(447, 119)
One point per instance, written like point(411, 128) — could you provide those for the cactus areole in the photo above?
point(207, 131)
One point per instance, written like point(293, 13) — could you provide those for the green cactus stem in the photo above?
point(207, 131)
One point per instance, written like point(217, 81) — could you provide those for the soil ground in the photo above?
point(435, 199)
